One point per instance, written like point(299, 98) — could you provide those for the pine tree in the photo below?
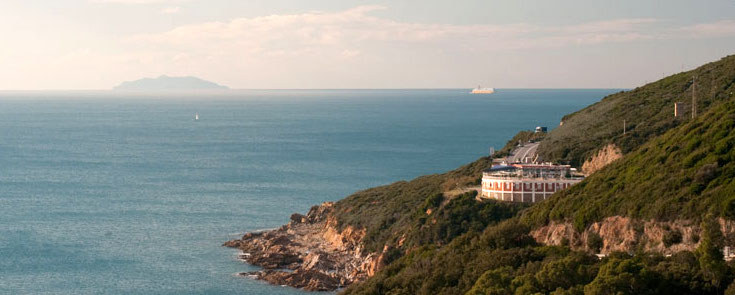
point(709, 251)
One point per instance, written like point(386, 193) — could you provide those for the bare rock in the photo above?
point(232, 244)
point(321, 257)
point(297, 218)
point(320, 213)
point(308, 280)
point(604, 156)
point(627, 234)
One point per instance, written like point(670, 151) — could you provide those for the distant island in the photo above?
point(164, 82)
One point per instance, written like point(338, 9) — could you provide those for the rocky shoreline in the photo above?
point(310, 252)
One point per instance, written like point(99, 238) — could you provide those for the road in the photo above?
point(520, 153)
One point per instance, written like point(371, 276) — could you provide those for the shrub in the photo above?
point(728, 211)
point(594, 242)
point(672, 238)
point(683, 186)
point(433, 201)
point(730, 289)
point(696, 188)
point(705, 174)
point(722, 147)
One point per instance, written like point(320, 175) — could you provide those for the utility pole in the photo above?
point(623, 126)
point(694, 97)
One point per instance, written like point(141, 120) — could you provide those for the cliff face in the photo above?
point(604, 156)
point(309, 252)
point(625, 234)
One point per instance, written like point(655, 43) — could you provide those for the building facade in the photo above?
point(528, 183)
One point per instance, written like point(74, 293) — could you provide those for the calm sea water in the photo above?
point(114, 193)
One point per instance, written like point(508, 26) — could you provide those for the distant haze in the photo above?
point(169, 83)
point(96, 44)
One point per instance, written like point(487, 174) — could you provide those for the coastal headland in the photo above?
point(308, 252)
point(656, 211)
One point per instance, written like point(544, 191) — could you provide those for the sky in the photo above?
point(325, 44)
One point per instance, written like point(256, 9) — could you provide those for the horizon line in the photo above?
point(296, 89)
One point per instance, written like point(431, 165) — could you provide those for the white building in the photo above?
point(527, 183)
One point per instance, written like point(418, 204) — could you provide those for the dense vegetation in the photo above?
point(462, 214)
point(504, 260)
point(398, 211)
point(681, 175)
point(647, 111)
point(673, 168)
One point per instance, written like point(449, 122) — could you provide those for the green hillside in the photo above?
point(398, 211)
point(682, 174)
point(504, 260)
point(673, 168)
point(688, 172)
point(647, 111)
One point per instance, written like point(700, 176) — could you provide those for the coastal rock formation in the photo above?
point(310, 252)
point(604, 156)
point(628, 235)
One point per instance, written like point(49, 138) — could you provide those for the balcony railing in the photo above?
point(521, 177)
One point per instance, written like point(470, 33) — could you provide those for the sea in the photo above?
point(105, 192)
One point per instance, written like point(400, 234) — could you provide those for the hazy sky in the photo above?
point(96, 44)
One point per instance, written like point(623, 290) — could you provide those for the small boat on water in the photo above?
point(480, 90)
point(196, 116)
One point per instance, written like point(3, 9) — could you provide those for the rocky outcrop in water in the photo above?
point(310, 252)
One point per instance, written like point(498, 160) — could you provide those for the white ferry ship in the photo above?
point(480, 90)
